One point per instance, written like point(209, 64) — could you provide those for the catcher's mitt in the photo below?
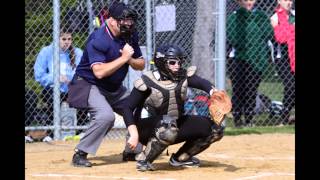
point(220, 105)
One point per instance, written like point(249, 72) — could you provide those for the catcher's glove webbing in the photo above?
point(220, 105)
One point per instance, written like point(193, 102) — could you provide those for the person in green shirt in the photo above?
point(248, 32)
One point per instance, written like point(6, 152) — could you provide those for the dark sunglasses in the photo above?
point(174, 62)
point(64, 39)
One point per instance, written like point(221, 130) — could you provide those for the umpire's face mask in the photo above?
point(126, 28)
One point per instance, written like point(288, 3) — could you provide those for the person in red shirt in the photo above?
point(283, 22)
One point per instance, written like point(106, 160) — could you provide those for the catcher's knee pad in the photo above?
point(153, 149)
point(197, 146)
point(216, 134)
point(167, 131)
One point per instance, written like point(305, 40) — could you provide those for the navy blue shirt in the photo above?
point(103, 47)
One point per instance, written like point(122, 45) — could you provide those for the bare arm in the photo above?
point(134, 136)
point(102, 70)
point(137, 64)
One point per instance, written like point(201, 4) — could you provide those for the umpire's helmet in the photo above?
point(119, 11)
point(163, 54)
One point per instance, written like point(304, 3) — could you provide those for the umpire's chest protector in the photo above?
point(167, 97)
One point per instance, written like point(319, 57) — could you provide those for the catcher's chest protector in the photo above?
point(166, 97)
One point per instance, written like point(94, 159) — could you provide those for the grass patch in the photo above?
point(231, 131)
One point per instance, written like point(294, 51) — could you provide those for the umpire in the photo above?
point(97, 84)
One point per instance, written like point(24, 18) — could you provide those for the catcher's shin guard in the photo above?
point(153, 149)
point(164, 136)
point(192, 148)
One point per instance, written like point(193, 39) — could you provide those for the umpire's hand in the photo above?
point(127, 51)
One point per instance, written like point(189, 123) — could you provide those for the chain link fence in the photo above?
point(262, 83)
point(191, 24)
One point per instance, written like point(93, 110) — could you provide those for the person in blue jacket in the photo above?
point(44, 69)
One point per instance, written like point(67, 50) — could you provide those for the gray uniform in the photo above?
point(102, 105)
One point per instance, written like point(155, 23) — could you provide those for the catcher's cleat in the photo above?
point(79, 159)
point(191, 162)
point(144, 166)
point(127, 156)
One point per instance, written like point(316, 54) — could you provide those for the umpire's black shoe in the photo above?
point(79, 159)
point(126, 156)
point(144, 166)
point(191, 162)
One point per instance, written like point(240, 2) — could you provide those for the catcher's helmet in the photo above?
point(162, 55)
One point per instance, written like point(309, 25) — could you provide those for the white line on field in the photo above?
point(265, 174)
point(224, 156)
point(97, 177)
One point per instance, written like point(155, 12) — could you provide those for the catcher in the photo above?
point(162, 93)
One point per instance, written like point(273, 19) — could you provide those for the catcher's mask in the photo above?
point(169, 54)
point(126, 17)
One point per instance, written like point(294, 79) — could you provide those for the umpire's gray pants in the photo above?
point(101, 104)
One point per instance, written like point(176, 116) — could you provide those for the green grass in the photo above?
point(274, 90)
point(230, 131)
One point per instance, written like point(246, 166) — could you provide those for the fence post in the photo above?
point(221, 45)
point(91, 15)
point(56, 67)
point(148, 33)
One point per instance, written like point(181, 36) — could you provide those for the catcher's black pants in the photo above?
point(245, 82)
point(288, 81)
point(191, 127)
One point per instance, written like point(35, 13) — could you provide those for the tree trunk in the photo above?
point(203, 51)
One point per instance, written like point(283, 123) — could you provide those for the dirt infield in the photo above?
point(267, 156)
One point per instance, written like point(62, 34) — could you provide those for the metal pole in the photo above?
point(90, 12)
point(56, 67)
point(148, 33)
point(221, 43)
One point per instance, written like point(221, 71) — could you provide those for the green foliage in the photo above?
point(33, 85)
point(38, 28)
point(79, 39)
point(275, 93)
point(68, 3)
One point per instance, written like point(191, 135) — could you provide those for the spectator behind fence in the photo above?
point(98, 82)
point(283, 22)
point(248, 31)
point(44, 70)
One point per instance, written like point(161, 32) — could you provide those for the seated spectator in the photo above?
point(44, 69)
